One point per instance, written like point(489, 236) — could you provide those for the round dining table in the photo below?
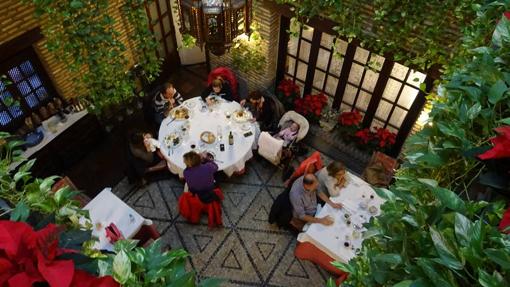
point(217, 119)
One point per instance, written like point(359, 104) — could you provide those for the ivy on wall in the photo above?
point(247, 52)
point(416, 33)
point(81, 33)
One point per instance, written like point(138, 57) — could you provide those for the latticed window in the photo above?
point(24, 88)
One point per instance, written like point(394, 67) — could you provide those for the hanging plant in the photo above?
point(146, 44)
point(188, 42)
point(81, 34)
point(247, 53)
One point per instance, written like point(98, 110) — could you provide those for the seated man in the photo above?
point(167, 99)
point(303, 197)
point(262, 110)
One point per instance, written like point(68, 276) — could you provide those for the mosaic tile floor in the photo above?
point(247, 251)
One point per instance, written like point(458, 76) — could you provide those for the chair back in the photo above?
point(380, 169)
point(304, 126)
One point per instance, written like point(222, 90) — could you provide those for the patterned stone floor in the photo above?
point(247, 251)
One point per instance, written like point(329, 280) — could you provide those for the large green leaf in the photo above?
point(405, 283)
point(427, 266)
point(499, 256)
point(385, 194)
point(449, 199)
point(121, 268)
point(445, 252)
point(496, 91)
point(505, 121)
point(462, 228)
point(343, 266)
point(390, 258)
point(487, 280)
point(20, 212)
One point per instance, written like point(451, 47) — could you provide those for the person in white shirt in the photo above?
point(332, 178)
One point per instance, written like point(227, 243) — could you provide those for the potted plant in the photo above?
point(311, 106)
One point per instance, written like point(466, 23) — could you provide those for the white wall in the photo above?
point(188, 56)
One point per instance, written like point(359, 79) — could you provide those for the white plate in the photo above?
point(245, 127)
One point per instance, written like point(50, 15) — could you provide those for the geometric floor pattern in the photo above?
point(247, 250)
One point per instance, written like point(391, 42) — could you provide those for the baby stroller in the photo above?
point(273, 149)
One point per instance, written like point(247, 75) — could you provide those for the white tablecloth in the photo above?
point(106, 208)
point(331, 239)
point(232, 159)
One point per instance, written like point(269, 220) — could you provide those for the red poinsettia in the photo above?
point(507, 14)
point(28, 257)
point(311, 105)
point(384, 137)
point(364, 136)
point(501, 148)
point(288, 88)
point(350, 118)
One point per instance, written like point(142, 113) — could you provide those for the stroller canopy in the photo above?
point(299, 119)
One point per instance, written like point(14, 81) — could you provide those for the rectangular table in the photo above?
point(106, 208)
point(357, 198)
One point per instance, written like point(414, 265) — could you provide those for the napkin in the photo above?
point(113, 233)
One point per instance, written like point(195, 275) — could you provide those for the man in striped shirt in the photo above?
point(167, 99)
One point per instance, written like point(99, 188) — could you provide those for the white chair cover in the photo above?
point(270, 148)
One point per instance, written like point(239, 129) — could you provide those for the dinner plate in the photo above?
point(180, 113)
point(172, 140)
point(246, 127)
point(207, 137)
point(241, 116)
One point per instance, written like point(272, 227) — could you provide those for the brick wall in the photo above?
point(269, 24)
point(17, 18)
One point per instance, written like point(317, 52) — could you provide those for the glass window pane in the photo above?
point(376, 124)
point(341, 46)
point(361, 55)
point(336, 65)
point(301, 71)
point(399, 71)
point(323, 59)
point(5, 118)
point(292, 45)
point(331, 85)
point(350, 94)
point(363, 101)
point(157, 32)
point(153, 10)
point(370, 80)
point(291, 65)
point(35, 81)
point(407, 97)
point(166, 24)
point(31, 100)
point(345, 107)
point(355, 74)
point(376, 62)
point(24, 88)
point(162, 6)
point(307, 32)
point(42, 93)
point(391, 90)
point(27, 68)
point(383, 110)
point(318, 79)
point(327, 40)
point(301, 87)
point(304, 51)
point(392, 129)
point(15, 74)
point(416, 78)
point(398, 117)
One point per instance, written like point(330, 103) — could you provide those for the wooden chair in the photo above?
point(380, 169)
point(66, 181)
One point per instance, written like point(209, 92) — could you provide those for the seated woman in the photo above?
point(262, 111)
point(218, 89)
point(167, 99)
point(199, 175)
point(143, 157)
point(332, 179)
point(289, 134)
point(227, 77)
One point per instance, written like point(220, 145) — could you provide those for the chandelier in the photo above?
point(215, 23)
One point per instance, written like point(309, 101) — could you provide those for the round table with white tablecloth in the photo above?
point(208, 119)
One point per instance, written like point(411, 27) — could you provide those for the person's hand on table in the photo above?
point(242, 103)
point(326, 220)
point(336, 205)
point(209, 101)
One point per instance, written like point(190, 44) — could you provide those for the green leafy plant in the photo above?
point(137, 266)
point(247, 54)
point(188, 41)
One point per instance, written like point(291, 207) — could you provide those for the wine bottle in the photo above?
point(230, 138)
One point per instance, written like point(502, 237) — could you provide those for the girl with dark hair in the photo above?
point(143, 157)
point(218, 88)
point(199, 175)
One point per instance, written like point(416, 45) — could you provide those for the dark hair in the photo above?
point(136, 139)
point(334, 167)
point(217, 83)
point(255, 95)
point(166, 86)
point(192, 159)
point(309, 179)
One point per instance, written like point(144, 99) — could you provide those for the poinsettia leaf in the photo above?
point(462, 227)
point(445, 252)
